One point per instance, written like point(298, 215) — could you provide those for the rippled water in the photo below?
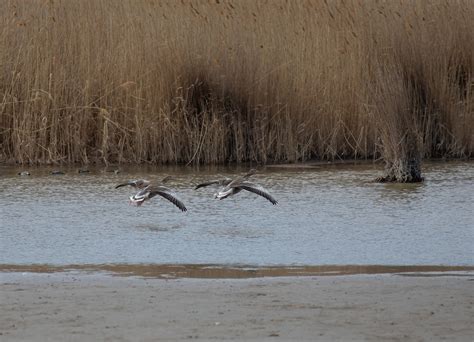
point(325, 215)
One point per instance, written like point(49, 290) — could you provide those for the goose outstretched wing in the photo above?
point(222, 182)
point(256, 189)
point(243, 178)
point(168, 194)
point(137, 183)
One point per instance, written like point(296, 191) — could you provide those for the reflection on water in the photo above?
point(157, 228)
point(326, 215)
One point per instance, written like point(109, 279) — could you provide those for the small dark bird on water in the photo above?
point(24, 173)
point(231, 187)
point(116, 171)
point(57, 172)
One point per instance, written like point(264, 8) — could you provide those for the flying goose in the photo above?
point(148, 191)
point(231, 187)
point(151, 191)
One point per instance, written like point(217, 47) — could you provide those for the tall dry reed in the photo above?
point(218, 81)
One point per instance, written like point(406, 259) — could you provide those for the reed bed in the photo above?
point(136, 81)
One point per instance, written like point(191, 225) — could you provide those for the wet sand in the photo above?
point(81, 306)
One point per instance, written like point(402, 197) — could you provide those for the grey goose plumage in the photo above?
point(232, 187)
point(148, 191)
point(137, 184)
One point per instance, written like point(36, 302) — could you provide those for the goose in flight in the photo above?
point(151, 191)
point(231, 187)
point(148, 191)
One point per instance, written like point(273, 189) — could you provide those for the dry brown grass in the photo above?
point(217, 81)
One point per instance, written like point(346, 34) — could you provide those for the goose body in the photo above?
point(232, 187)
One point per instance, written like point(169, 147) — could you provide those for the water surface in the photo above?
point(327, 215)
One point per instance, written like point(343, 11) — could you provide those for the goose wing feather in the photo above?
point(168, 194)
point(201, 185)
point(222, 182)
point(257, 189)
point(122, 184)
point(138, 183)
point(241, 179)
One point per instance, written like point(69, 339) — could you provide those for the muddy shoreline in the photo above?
point(169, 271)
point(81, 305)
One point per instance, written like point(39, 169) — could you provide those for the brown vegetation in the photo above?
point(218, 81)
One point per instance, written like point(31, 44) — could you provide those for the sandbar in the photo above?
point(98, 306)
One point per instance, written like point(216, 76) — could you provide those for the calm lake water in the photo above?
point(326, 215)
